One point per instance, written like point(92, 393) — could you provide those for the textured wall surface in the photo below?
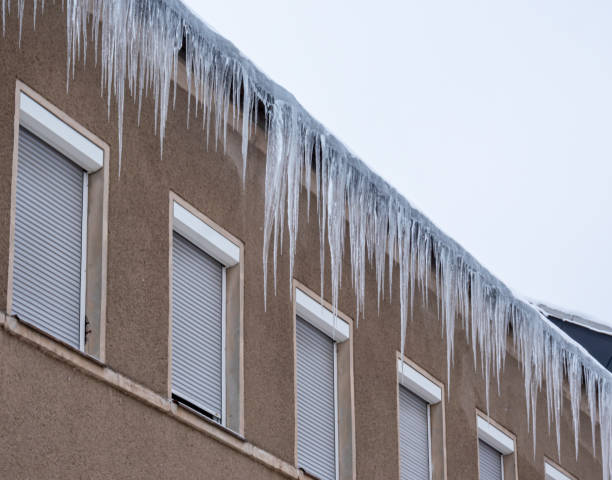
point(58, 423)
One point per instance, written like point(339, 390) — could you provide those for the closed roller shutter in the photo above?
point(490, 462)
point(48, 240)
point(197, 327)
point(316, 410)
point(414, 436)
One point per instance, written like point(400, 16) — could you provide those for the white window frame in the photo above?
point(501, 441)
point(494, 437)
point(79, 150)
point(336, 426)
point(204, 236)
point(227, 253)
point(84, 259)
point(61, 136)
point(553, 473)
point(418, 384)
point(223, 349)
point(334, 327)
point(320, 317)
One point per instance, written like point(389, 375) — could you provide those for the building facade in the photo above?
point(135, 341)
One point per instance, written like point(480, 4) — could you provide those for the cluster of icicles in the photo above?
point(138, 43)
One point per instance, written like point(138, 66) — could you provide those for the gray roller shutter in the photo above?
point(414, 436)
point(490, 462)
point(48, 240)
point(316, 401)
point(197, 327)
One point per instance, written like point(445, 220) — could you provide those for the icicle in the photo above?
point(275, 167)
point(589, 380)
point(605, 426)
point(307, 167)
point(4, 17)
point(322, 167)
point(246, 116)
point(20, 7)
point(574, 377)
point(139, 43)
point(294, 184)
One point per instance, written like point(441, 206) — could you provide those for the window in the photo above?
point(324, 392)
point(554, 472)
point(414, 436)
point(57, 266)
point(496, 452)
point(420, 425)
point(490, 462)
point(205, 373)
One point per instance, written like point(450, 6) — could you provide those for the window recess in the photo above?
point(420, 425)
point(205, 373)
point(57, 264)
point(496, 451)
point(324, 419)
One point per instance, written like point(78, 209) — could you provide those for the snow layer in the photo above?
point(137, 43)
point(572, 316)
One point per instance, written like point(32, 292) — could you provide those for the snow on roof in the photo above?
point(574, 317)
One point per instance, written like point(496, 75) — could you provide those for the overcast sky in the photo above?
point(494, 120)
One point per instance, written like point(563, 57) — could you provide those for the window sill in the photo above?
point(49, 336)
point(177, 404)
point(307, 475)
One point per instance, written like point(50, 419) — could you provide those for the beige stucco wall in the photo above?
point(57, 422)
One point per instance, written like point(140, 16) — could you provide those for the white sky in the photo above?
point(494, 120)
